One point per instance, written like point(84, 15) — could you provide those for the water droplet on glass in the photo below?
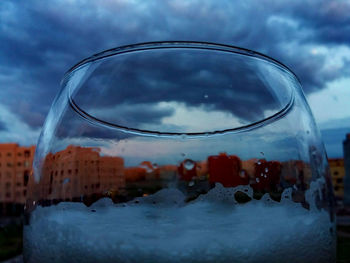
point(189, 164)
point(262, 175)
point(206, 96)
point(262, 153)
point(183, 136)
point(308, 132)
point(183, 154)
point(266, 170)
point(191, 183)
point(65, 181)
point(242, 173)
point(147, 168)
point(258, 163)
point(257, 180)
point(155, 166)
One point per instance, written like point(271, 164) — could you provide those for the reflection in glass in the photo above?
point(180, 152)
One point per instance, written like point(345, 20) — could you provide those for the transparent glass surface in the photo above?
point(180, 152)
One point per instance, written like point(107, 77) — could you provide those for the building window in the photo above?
point(339, 180)
point(19, 154)
point(69, 171)
point(336, 188)
point(9, 164)
point(8, 185)
point(18, 194)
point(27, 153)
point(18, 184)
point(9, 154)
point(336, 173)
point(26, 164)
point(8, 195)
point(24, 192)
point(19, 164)
point(25, 178)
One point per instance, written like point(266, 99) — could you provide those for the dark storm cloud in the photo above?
point(333, 139)
point(330, 19)
point(2, 126)
point(40, 40)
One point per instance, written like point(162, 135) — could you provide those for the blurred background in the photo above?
point(41, 40)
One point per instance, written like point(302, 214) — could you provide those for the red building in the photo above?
point(226, 170)
point(187, 170)
point(267, 175)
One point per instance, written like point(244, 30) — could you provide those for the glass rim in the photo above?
point(156, 45)
point(178, 44)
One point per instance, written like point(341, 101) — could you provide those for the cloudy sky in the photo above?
point(40, 40)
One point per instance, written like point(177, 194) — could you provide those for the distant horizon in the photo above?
point(35, 145)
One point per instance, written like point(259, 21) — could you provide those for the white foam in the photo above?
point(162, 228)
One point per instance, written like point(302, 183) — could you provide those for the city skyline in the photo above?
point(77, 172)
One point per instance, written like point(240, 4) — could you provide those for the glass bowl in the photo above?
point(180, 152)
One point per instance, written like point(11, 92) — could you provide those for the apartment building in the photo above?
point(15, 173)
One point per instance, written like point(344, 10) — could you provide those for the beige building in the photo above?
point(15, 173)
point(338, 173)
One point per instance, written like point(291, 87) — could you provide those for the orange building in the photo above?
point(296, 172)
point(15, 173)
point(77, 171)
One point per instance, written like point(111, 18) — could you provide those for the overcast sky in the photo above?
point(40, 40)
